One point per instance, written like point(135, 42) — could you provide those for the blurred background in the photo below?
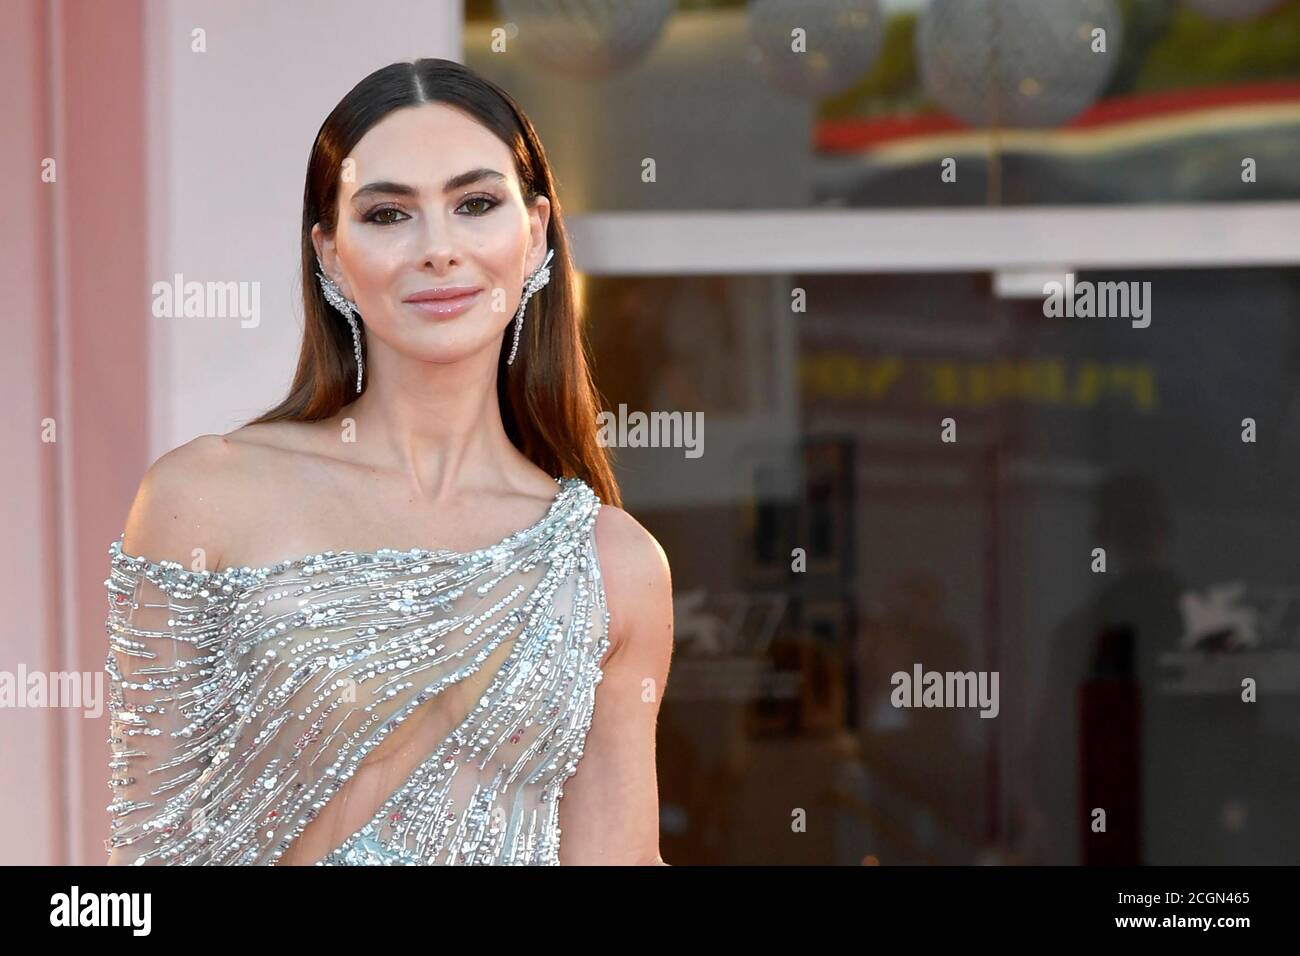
point(828, 227)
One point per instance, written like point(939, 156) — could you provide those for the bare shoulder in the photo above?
point(286, 436)
point(628, 552)
point(638, 582)
point(181, 503)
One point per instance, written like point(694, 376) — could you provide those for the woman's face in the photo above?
point(430, 202)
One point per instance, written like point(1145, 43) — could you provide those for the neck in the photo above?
point(437, 425)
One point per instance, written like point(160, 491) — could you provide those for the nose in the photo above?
point(438, 251)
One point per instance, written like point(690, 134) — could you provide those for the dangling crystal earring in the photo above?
point(539, 278)
point(336, 298)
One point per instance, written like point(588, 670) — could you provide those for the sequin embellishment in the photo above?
point(243, 700)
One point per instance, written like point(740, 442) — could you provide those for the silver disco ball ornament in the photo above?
point(585, 38)
point(1016, 63)
point(1232, 9)
point(839, 43)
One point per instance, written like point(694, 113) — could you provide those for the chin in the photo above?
point(450, 352)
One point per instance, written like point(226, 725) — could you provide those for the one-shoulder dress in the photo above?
point(245, 702)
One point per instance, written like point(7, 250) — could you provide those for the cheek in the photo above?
point(500, 256)
point(372, 258)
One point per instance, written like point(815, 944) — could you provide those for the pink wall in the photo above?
point(29, 739)
point(74, 270)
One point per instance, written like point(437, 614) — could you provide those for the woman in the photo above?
point(426, 628)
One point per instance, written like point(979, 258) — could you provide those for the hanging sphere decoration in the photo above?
point(841, 40)
point(1232, 9)
point(1016, 63)
point(586, 38)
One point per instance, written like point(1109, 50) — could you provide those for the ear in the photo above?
point(539, 217)
point(327, 253)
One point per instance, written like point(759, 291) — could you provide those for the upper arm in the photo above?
point(610, 810)
point(177, 508)
point(151, 632)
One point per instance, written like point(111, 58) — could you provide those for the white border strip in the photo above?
point(1210, 235)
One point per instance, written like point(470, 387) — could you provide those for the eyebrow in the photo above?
point(401, 189)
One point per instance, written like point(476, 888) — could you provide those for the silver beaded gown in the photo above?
point(244, 702)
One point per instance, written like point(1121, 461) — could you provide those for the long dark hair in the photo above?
point(548, 398)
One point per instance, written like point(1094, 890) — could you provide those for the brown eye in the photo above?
point(489, 202)
point(381, 215)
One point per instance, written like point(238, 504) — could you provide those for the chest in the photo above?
point(313, 513)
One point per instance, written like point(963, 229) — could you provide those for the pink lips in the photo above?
point(450, 300)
